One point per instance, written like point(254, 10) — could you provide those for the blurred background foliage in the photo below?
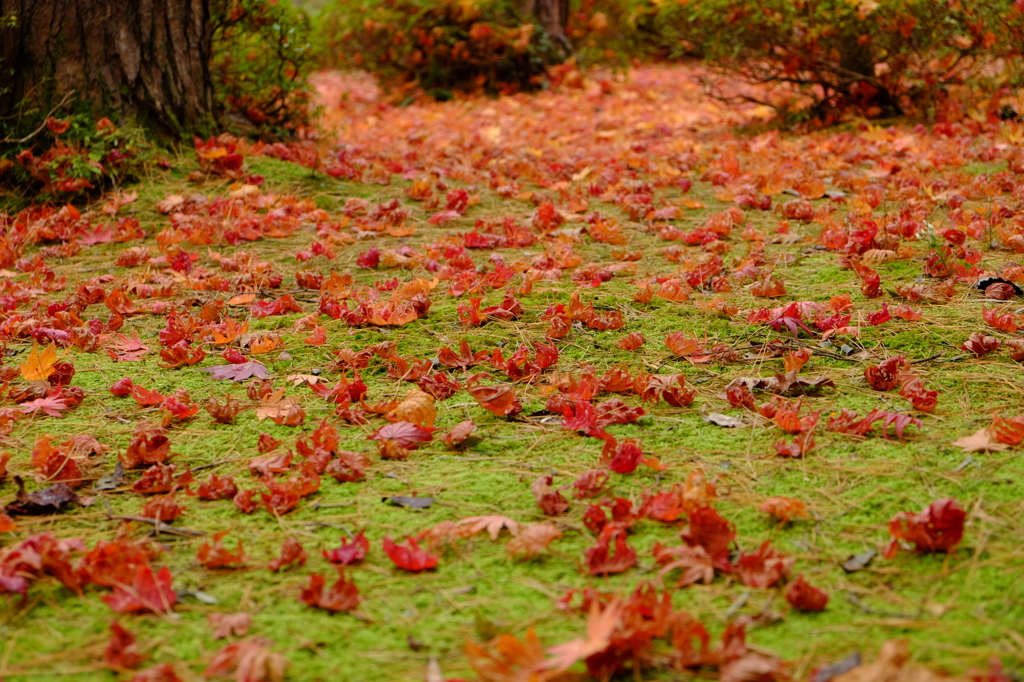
point(817, 61)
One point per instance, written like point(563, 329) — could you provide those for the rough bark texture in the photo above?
point(145, 59)
point(553, 16)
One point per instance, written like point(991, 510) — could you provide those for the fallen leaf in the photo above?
point(239, 372)
point(127, 349)
point(532, 540)
point(894, 664)
point(410, 502)
point(311, 379)
point(274, 405)
point(600, 625)
point(46, 501)
point(250, 660)
point(471, 525)
point(224, 624)
point(982, 440)
point(170, 203)
point(416, 408)
point(39, 363)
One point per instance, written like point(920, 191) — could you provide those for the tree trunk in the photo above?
point(141, 59)
point(553, 16)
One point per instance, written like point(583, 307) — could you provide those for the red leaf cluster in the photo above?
point(350, 551)
point(939, 527)
point(36, 556)
point(217, 488)
point(602, 560)
point(885, 376)
point(216, 555)
point(343, 595)
point(122, 650)
point(850, 422)
point(160, 478)
point(707, 529)
point(147, 592)
point(764, 568)
point(148, 445)
point(981, 345)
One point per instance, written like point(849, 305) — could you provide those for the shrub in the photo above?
point(610, 31)
point(261, 56)
point(62, 159)
point(438, 45)
point(883, 57)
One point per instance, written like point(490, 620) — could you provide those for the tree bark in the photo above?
point(553, 16)
point(141, 59)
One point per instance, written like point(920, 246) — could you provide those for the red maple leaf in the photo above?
point(764, 568)
point(712, 532)
point(147, 592)
point(291, 553)
point(122, 651)
point(350, 551)
point(146, 397)
point(343, 595)
point(600, 560)
point(410, 557)
point(127, 349)
point(938, 527)
point(803, 596)
point(405, 434)
point(215, 555)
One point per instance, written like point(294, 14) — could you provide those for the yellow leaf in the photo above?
point(39, 365)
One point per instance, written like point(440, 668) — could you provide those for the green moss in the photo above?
point(956, 609)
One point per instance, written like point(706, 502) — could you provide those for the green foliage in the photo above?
point(65, 159)
point(438, 45)
point(261, 56)
point(610, 32)
point(883, 57)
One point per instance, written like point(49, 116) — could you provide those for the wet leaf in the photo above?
point(46, 501)
point(411, 502)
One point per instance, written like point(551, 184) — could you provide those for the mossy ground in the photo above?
point(958, 610)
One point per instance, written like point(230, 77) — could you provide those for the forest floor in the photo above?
point(676, 220)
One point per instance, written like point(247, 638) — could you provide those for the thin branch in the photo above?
point(8, 140)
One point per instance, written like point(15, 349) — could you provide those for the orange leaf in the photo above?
point(417, 408)
point(533, 539)
point(265, 343)
point(600, 626)
point(228, 331)
point(242, 299)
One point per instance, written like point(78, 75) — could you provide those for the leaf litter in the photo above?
point(495, 335)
